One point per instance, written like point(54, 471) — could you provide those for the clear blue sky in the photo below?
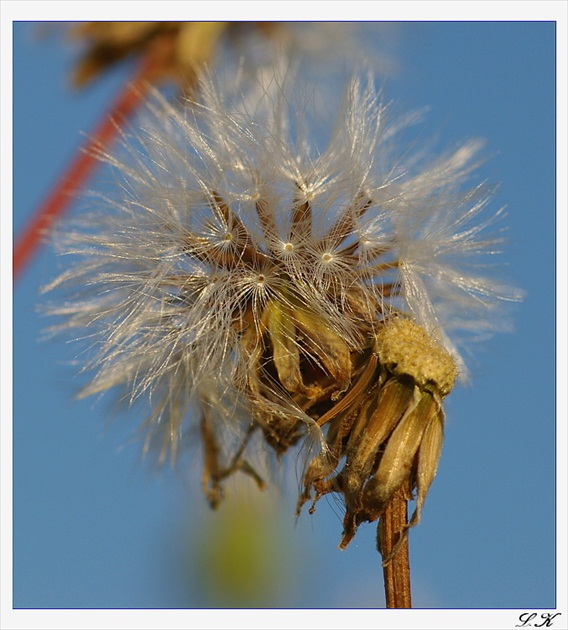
point(95, 528)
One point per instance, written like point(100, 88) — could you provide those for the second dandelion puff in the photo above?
point(284, 291)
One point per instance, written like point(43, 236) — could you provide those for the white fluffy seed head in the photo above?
point(221, 207)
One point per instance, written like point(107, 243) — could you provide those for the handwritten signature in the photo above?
point(527, 618)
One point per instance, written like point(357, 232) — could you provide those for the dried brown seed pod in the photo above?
point(391, 434)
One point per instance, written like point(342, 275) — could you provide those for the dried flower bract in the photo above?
point(285, 291)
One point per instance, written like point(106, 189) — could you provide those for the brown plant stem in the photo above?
point(394, 551)
point(78, 172)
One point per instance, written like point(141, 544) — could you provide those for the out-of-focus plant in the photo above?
point(236, 553)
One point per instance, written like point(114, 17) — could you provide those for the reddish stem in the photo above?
point(77, 174)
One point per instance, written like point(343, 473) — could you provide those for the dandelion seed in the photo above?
point(310, 291)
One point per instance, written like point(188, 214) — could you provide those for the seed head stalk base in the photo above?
point(395, 554)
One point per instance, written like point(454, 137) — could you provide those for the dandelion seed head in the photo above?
point(244, 265)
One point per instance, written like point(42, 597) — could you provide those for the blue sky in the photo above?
point(95, 528)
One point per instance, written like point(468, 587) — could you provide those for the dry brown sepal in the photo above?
point(295, 364)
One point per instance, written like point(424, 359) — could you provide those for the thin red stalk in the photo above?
point(77, 174)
